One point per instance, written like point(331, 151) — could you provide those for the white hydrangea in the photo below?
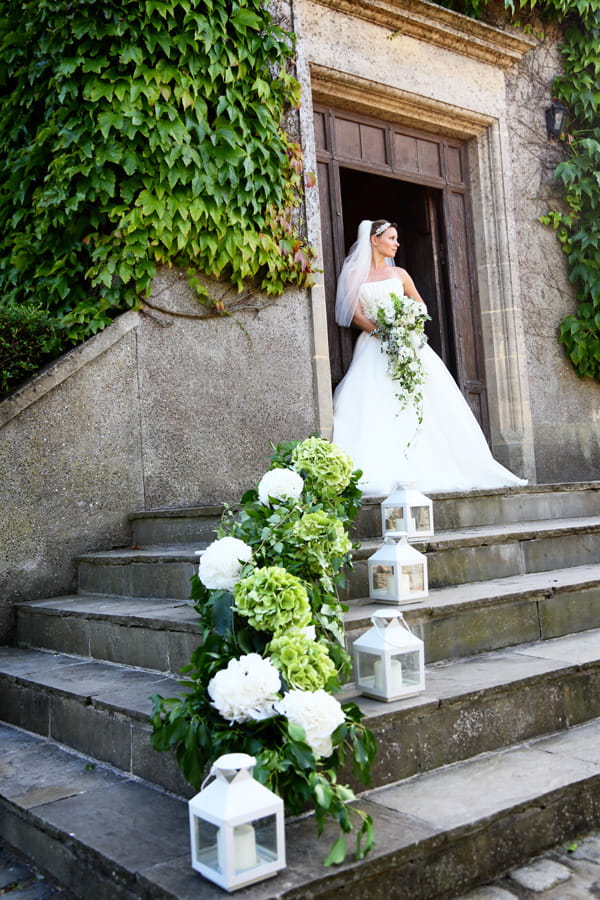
point(281, 484)
point(221, 563)
point(246, 689)
point(317, 712)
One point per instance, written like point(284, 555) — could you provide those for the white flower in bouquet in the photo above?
point(318, 713)
point(400, 327)
point(280, 484)
point(222, 562)
point(246, 689)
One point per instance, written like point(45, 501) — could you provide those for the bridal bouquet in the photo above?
point(272, 652)
point(400, 327)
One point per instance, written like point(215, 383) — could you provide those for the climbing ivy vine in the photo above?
point(578, 228)
point(143, 132)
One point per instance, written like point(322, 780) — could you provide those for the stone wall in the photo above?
point(565, 410)
point(163, 408)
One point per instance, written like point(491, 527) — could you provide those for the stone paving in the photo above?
point(20, 881)
point(569, 872)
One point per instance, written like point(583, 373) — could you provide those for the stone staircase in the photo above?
point(497, 760)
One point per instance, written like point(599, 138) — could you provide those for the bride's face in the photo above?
point(387, 243)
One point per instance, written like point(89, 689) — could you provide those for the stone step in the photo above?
point(465, 619)
point(451, 510)
point(454, 557)
point(151, 634)
point(470, 706)
point(108, 836)
point(498, 506)
point(453, 622)
point(493, 551)
point(175, 526)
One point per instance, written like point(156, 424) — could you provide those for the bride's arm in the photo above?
point(409, 287)
point(363, 321)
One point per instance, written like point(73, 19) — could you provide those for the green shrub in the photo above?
point(28, 339)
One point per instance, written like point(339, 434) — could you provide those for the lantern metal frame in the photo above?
point(219, 816)
point(408, 512)
point(389, 660)
point(397, 573)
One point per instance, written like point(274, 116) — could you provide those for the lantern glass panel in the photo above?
point(206, 843)
point(412, 578)
point(266, 839)
point(365, 667)
point(383, 579)
point(421, 516)
point(394, 518)
point(410, 669)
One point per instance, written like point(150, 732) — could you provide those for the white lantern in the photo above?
point(407, 512)
point(389, 660)
point(397, 572)
point(236, 826)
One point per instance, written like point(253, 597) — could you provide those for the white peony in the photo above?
point(222, 562)
point(280, 484)
point(246, 689)
point(317, 712)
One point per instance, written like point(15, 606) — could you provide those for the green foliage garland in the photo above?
point(311, 666)
point(578, 229)
point(143, 132)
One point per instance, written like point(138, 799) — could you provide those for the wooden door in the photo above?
point(371, 169)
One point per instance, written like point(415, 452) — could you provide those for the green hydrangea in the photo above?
point(323, 539)
point(304, 663)
point(326, 469)
point(272, 600)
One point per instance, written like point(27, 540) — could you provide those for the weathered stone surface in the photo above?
point(541, 875)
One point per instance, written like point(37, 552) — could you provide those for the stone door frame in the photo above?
point(496, 265)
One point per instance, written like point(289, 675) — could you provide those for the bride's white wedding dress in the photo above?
point(447, 452)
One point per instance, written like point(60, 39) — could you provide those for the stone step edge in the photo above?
point(81, 863)
point(439, 602)
point(210, 509)
point(373, 709)
point(481, 535)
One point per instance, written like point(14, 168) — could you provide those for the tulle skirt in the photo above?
point(446, 452)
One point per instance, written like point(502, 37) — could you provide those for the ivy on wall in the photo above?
point(577, 229)
point(137, 133)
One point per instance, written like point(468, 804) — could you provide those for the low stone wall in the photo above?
point(164, 408)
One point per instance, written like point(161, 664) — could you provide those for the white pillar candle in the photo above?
point(244, 848)
point(404, 583)
point(395, 685)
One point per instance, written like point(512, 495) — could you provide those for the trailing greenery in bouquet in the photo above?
point(272, 653)
point(401, 329)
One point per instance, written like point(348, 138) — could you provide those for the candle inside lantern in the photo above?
point(244, 848)
point(404, 582)
point(395, 684)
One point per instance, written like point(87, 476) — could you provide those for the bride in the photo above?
point(434, 441)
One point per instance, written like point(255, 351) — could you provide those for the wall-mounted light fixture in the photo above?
point(556, 117)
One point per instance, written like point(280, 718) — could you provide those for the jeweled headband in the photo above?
point(382, 228)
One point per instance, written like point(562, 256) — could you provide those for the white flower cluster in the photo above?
point(380, 309)
point(280, 484)
point(246, 689)
point(318, 713)
point(222, 562)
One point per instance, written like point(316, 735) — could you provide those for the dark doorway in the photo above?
point(370, 169)
point(418, 212)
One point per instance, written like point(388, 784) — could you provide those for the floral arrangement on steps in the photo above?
point(272, 652)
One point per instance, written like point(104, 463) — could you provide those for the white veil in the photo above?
point(354, 272)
